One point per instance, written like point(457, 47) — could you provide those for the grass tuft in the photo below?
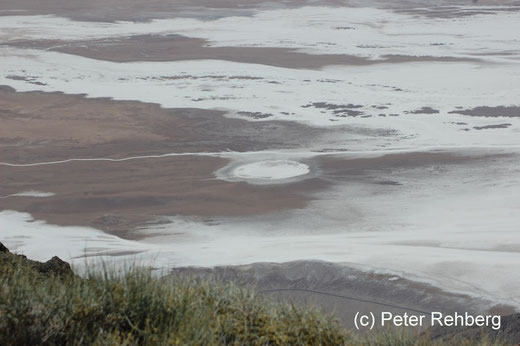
point(136, 308)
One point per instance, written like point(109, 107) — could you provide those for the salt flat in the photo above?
point(396, 147)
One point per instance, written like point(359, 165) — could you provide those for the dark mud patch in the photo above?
point(488, 127)
point(31, 80)
point(389, 182)
point(424, 110)
point(338, 110)
point(255, 115)
point(491, 112)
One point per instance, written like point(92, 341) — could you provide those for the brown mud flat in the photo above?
point(138, 10)
point(339, 168)
point(41, 126)
point(117, 197)
point(178, 48)
point(447, 11)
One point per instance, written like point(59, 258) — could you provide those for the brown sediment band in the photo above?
point(119, 197)
point(179, 48)
point(42, 126)
point(138, 10)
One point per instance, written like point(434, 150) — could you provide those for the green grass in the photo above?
point(136, 308)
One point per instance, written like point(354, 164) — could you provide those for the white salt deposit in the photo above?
point(271, 170)
point(31, 193)
point(39, 240)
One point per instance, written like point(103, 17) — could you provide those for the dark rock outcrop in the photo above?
point(53, 267)
point(3, 248)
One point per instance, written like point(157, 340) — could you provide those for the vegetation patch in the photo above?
point(46, 304)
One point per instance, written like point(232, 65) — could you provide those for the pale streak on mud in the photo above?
point(234, 154)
